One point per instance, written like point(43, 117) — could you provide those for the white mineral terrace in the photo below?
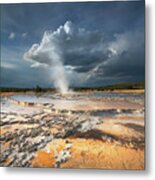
point(31, 123)
point(78, 102)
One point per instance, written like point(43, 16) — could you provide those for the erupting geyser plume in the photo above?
point(76, 55)
point(49, 53)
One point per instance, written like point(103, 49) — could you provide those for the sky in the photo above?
point(85, 44)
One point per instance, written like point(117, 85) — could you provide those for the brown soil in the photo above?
point(130, 90)
point(97, 154)
point(13, 93)
point(94, 154)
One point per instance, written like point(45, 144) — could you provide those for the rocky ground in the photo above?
point(46, 137)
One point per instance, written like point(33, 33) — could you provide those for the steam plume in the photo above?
point(49, 52)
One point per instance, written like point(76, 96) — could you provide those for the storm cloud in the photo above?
point(89, 52)
point(95, 43)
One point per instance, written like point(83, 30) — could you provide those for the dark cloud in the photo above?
point(102, 42)
point(92, 52)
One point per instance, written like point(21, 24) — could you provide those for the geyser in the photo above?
point(49, 53)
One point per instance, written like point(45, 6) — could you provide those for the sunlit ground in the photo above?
point(80, 130)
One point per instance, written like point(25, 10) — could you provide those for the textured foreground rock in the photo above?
point(44, 136)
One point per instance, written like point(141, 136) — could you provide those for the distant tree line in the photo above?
point(13, 89)
point(36, 89)
point(39, 89)
point(131, 85)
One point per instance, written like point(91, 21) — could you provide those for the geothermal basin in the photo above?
point(78, 130)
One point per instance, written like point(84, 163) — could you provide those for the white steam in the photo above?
point(49, 52)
